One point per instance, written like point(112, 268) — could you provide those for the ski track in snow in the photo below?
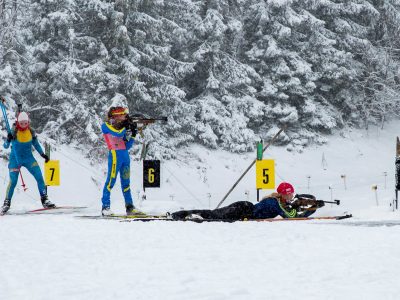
point(63, 257)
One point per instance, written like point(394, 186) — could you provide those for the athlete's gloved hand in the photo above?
point(9, 137)
point(46, 158)
point(320, 203)
point(125, 124)
point(128, 135)
point(134, 131)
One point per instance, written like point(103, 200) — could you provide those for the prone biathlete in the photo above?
point(276, 204)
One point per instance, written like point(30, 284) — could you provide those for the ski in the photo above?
point(304, 219)
point(164, 218)
point(53, 211)
point(125, 217)
point(57, 209)
point(271, 220)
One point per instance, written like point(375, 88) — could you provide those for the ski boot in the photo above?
point(46, 202)
point(132, 211)
point(106, 212)
point(195, 217)
point(6, 206)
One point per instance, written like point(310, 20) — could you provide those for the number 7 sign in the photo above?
point(52, 172)
point(265, 174)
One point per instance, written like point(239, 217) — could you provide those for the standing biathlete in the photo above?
point(22, 138)
point(119, 140)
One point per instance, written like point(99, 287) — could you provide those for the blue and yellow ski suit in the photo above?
point(21, 156)
point(118, 162)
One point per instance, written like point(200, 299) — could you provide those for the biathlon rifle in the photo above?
point(304, 201)
point(137, 121)
point(4, 111)
point(142, 120)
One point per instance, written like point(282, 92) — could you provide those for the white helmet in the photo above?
point(23, 116)
point(23, 120)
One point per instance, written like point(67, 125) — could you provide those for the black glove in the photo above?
point(126, 123)
point(320, 203)
point(46, 158)
point(9, 137)
point(134, 130)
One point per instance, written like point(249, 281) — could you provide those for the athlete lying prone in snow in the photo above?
point(282, 203)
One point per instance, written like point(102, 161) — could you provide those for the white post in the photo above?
point(344, 181)
point(375, 188)
point(247, 193)
point(323, 162)
point(385, 174)
point(308, 182)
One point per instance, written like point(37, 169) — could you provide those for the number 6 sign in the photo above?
point(151, 173)
point(52, 172)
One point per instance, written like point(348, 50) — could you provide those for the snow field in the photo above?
point(63, 257)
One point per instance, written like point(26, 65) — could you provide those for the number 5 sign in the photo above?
point(265, 174)
point(52, 172)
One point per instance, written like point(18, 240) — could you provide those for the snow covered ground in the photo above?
point(62, 257)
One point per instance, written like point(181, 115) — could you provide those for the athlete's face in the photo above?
point(287, 198)
point(23, 124)
point(118, 119)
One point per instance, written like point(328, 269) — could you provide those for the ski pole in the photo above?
point(244, 173)
point(8, 128)
point(22, 180)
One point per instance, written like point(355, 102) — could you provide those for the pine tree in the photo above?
point(225, 72)
point(12, 50)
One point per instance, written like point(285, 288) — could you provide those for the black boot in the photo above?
point(129, 209)
point(6, 206)
point(132, 211)
point(46, 202)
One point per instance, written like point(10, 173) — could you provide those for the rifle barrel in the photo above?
point(149, 119)
point(337, 202)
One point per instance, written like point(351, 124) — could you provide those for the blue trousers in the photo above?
point(118, 162)
point(32, 166)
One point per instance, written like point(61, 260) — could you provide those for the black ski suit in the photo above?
point(236, 211)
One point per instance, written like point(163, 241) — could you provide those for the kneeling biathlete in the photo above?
point(276, 204)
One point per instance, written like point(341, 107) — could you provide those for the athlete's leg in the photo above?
point(111, 178)
point(13, 172)
point(125, 175)
point(33, 167)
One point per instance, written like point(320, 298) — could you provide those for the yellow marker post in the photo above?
point(52, 172)
point(265, 174)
